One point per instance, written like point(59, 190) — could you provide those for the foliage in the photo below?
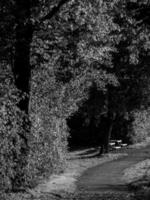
point(10, 124)
point(140, 126)
point(67, 59)
point(130, 67)
point(48, 138)
point(90, 53)
point(130, 61)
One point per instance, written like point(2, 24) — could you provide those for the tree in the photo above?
point(131, 59)
point(130, 64)
point(77, 46)
point(60, 50)
point(20, 20)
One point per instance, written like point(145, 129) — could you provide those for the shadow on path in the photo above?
point(87, 153)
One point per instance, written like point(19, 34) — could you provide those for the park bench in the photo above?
point(116, 144)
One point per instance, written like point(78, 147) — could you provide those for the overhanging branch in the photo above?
point(54, 10)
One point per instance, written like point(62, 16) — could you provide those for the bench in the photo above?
point(117, 144)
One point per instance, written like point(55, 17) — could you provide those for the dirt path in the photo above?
point(108, 176)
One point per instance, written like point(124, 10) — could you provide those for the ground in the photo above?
point(117, 174)
point(89, 177)
point(78, 162)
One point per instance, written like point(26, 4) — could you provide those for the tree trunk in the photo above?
point(108, 137)
point(22, 68)
point(91, 129)
point(111, 118)
point(22, 75)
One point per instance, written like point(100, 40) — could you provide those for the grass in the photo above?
point(137, 172)
point(141, 144)
point(138, 179)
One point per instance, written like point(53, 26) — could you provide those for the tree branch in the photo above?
point(54, 10)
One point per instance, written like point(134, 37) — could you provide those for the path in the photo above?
point(107, 177)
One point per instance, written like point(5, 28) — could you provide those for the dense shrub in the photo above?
point(48, 142)
point(140, 129)
point(10, 125)
point(51, 103)
point(48, 136)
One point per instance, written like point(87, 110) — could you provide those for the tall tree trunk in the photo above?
point(111, 118)
point(22, 69)
point(22, 75)
point(91, 128)
point(108, 136)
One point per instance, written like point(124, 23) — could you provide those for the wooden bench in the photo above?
point(117, 144)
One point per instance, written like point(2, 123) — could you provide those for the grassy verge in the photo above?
point(138, 179)
point(141, 144)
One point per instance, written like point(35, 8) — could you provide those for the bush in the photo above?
point(10, 125)
point(51, 103)
point(48, 142)
point(140, 125)
point(48, 138)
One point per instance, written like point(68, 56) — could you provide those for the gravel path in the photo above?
point(108, 176)
point(103, 182)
